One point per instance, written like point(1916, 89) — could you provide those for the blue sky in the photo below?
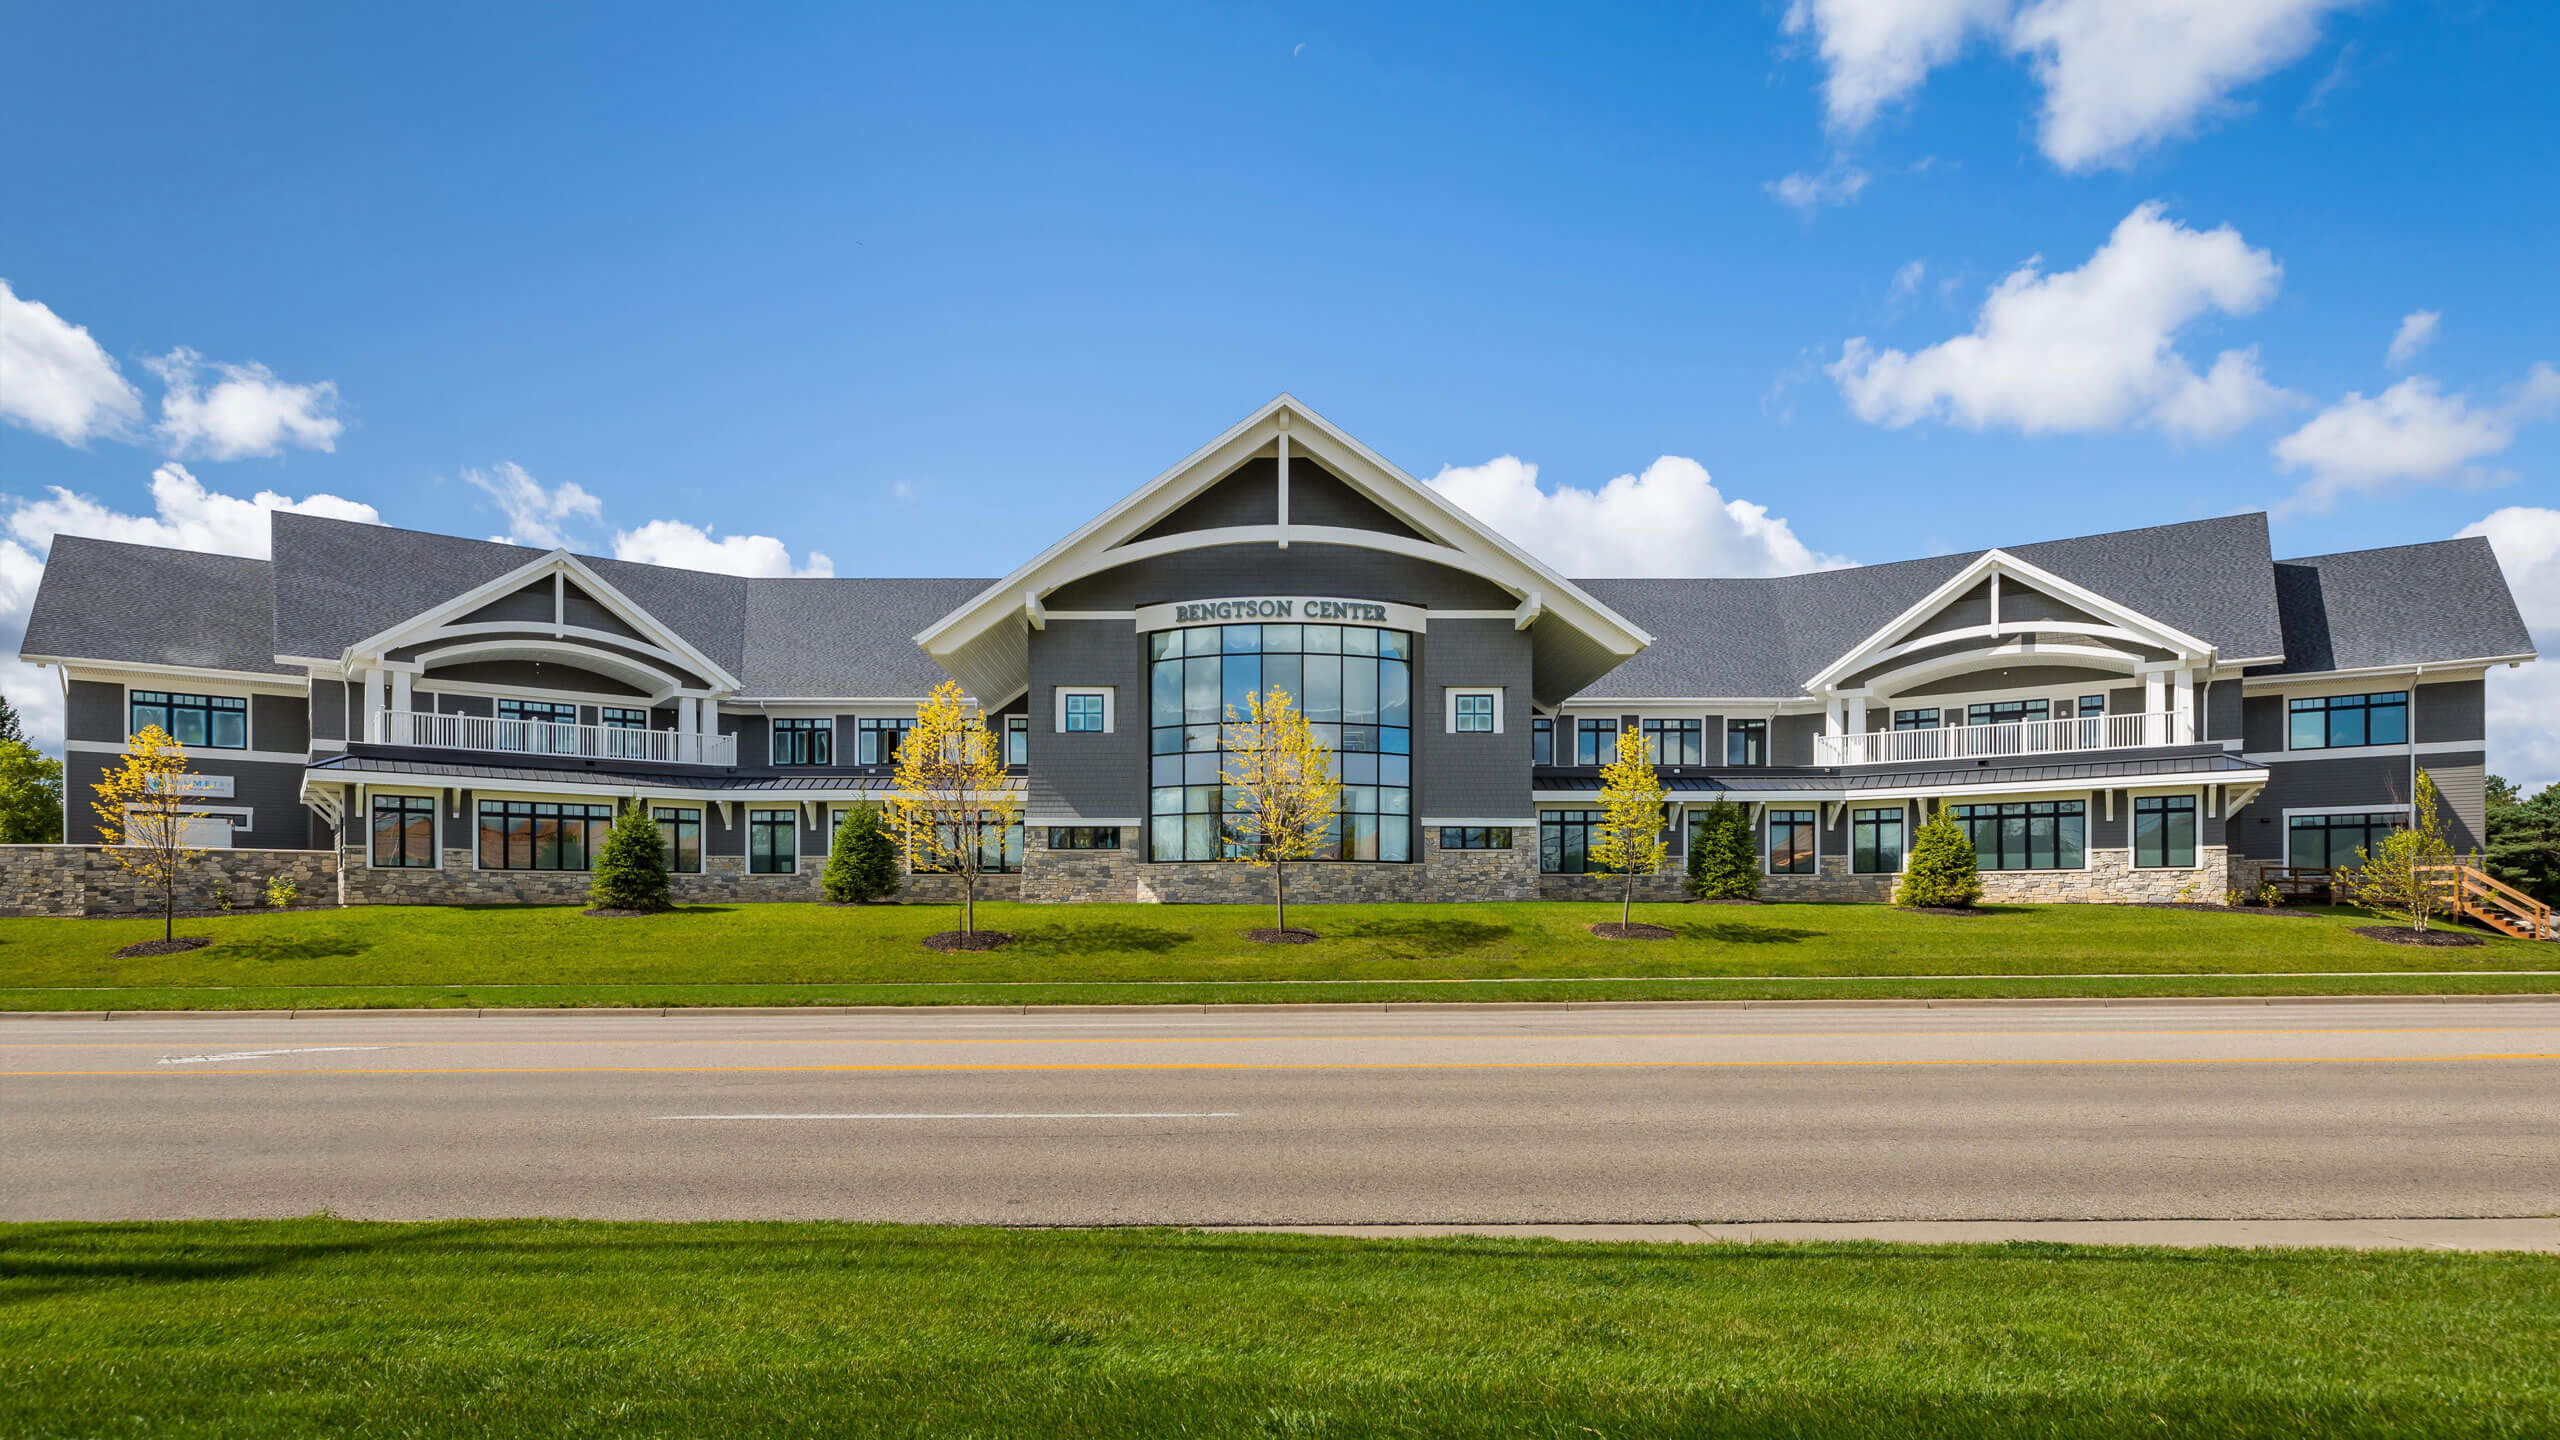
point(919, 291)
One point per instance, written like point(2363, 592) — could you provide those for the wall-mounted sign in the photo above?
point(201, 786)
point(1281, 610)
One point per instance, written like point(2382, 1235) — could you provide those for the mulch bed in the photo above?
point(1727, 900)
point(604, 914)
point(2217, 909)
point(2433, 938)
point(1291, 936)
point(951, 941)
point(1942, 910)
point(1615, 931)
point(179, 946)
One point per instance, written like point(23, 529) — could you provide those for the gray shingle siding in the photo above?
point(1300, 569)
point(1087, 776)
point(94, 710)
point(2451, 710)
point(280, 722)
point(1472, 776)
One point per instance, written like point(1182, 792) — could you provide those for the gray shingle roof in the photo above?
point(845, 639)
point(109, 601)
point(2407, 604)
point(1756, 638)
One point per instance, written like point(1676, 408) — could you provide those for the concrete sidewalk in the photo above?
point(2541, 1235)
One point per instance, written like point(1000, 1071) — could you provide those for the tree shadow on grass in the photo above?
point(1088, 938)
point(310, 947)
point(1734, 932)
point(1432, 933)
point(44, 1260)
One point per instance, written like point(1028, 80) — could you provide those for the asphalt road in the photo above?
point(1298, 1117)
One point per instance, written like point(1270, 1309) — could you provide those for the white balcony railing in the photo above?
point(2018, 737)
point(542, 737)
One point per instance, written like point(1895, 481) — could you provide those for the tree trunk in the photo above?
point(1280, 895)
point(1627, 903)
point(968, 902)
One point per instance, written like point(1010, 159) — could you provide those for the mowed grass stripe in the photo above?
point(506, 1329)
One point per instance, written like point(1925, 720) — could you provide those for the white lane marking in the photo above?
point(989, 1115)
point(260, 1054)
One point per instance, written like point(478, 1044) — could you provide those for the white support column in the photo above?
point(400, 692)
point(377, 698)
point(2155, 699)
point(689, 727)
point(2184, 704)
point(1857, 714)
point(1283, 520)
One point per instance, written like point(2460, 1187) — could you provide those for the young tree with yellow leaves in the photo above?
point(143, 815)
point(2411, 872)
point(1281, 792)
point(954, 804)
point(1628, 838)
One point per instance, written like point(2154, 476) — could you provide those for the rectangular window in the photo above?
point(2092, 706)
point(2027, 834)
point(1564, 841)
point(773, 842)
point(615, 717)
point(2337, 722)
point(1791, 845)
point(1472, 713)
point(1017, 739)
point(219, 722)
point(804, 742)
point(1085, 712)
point(1875, 840)
point(1542, 741)
point(2164, 832)
point(404, 832)
point(540, 727)
point(1084, 837)
point(541, 835)
point(1475, 837)
point(1746, 742)
point(999, 849)
point(876, 739)
point(1916, 719)
point(1595, 739)
point(680, 831)
point(2331, 842)
point(1675, 742)
point(2004, 712)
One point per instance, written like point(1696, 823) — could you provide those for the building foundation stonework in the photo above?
point(74, 880)
point(724, 880)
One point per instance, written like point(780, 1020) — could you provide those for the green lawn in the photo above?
point(323, 1327)
point(829, 955)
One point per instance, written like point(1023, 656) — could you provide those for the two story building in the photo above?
point(2149, 714)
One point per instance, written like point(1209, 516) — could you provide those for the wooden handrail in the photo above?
point(2477, 893)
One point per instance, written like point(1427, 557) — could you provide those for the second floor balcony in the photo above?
point(429, 730)
point(2013, 738)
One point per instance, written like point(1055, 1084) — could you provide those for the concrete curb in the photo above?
point(2536, 1234)
point(1373, 1008)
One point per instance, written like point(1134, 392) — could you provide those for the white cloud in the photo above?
point(2524, 744)
point(2087, 349)
point(2119, 76)
point(1906, 283)
point(57, 381)
point(2412, 433)
point(1875, 52)
point(2417, 331)
point(247, 412)
point(1806, 191)
point(673, 542)
point(1669, 521)
point(184, 516)
point(537, 515)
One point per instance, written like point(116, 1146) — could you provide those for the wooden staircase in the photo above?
point(2471, 893)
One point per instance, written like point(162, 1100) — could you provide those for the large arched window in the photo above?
point(1355, 685)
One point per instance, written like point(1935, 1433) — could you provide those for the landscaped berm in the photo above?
point(1541, 951)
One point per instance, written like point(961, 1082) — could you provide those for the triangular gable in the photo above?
point(2060, 607)
point(985, 642)
point(494, 599)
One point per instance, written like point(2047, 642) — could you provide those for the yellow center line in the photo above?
point(1507, 1035)
point(1347, 1065)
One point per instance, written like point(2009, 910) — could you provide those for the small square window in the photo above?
point(1084, 711)
point(1471, 712)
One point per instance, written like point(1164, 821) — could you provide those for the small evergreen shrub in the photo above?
point(862, 864)
point(1943, 871)
point(631, 869)
point(1724, 864)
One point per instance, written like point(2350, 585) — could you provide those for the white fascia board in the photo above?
point(1992, 562)
point(123, 672)
point(2437, 669)
point(1092, 545)
point(421, 626)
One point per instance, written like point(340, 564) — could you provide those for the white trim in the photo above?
point(1110, 708)
point(1433, 822)
point(1057, 615)
point(2204, 812)
point(1449, 707)
point(1046, 822)
point(2357, 752)
point(1769, 854)
point(1911, 823)
point(2284, 823)
point(1280, 610)
point(368, 793)
point(2309, 681)
point(429, 688)
point(157, 677)
point(662, 685)
point(194, 752)
point(557, 564)
point(1992, 564)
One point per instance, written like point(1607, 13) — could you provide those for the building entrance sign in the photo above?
point(1257, 609)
